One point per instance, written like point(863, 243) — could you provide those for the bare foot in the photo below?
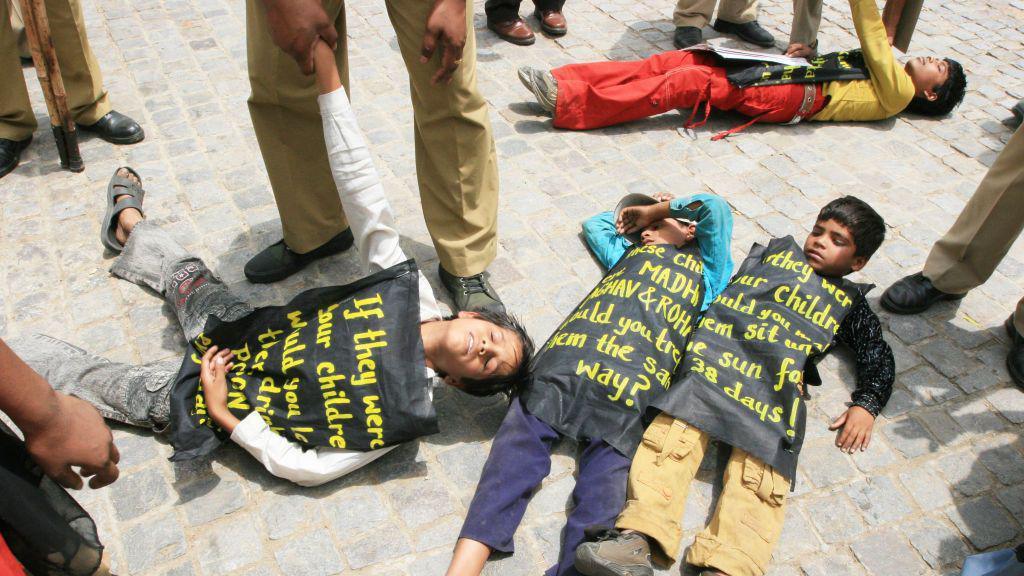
point(129, 217)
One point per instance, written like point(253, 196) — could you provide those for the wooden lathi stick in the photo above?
point(37, 28)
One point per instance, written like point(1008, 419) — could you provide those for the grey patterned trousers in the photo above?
point(137, 395)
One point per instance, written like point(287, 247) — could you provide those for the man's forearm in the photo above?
point(24, 396)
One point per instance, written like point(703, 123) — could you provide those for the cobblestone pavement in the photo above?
point(944, 476)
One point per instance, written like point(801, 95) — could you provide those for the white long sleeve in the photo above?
point(372, 222)
point(288, 460)
point(362, 196)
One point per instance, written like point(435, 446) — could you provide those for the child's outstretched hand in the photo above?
point(854, 427)
point(662, 196)
point(213, 376)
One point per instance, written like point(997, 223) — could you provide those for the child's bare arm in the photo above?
point(327, 78)
point(469, 558)
point(213, 376)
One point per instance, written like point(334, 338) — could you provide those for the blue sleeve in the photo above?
point(714, 236)
point(607, 244)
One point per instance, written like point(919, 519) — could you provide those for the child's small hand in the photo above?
point(326, 67)
point(213, 376)
point(855, 434)
point(662, 196)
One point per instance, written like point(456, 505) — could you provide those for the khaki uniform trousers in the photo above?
point(18, 26)
point(748, 519)
point(697, 13)
point(456, 164)
point(987, 227)
point(83, 82)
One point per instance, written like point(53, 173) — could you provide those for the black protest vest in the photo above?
point(597, 374)
point(339, 367)
point(741, 380)
point(835, 66)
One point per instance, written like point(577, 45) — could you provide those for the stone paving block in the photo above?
point(825, 465)
point(229, 545)
point(1009, 402)
point(354, 511)
point(886, 552)
point(909, 438)
point(983, 522)
point(285, 514)
point(210, 498)
point(946, 357)
point(964, 474)
point(798, 537)
point(311, 554)
point(1003, 460)
point(1013, 499)
point(831, 565)
point(976, 417)
point(383, 541)
point(147, 544)
point(880, 500)
point(420, 501)
point(835, 518)
point(139, 493)
point(936, 542)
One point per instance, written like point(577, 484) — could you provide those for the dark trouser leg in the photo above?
point(152, 258)
point(549, 4)
point(520, 459)
point(501, 10)
point(137, 395)
point(598, 498)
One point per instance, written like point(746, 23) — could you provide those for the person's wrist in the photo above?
point(49, 412)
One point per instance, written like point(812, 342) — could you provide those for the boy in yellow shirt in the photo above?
point(865, 84)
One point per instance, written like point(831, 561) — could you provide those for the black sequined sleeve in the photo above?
point(876, 369)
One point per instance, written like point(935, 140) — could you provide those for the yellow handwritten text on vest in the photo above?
point(789, 373)
point(325, 323)
point(807, 306)
point(785, 261)
point(763, 409)
point(365, 343)
point(362, 312)
point(374, 421)
point(333, 397)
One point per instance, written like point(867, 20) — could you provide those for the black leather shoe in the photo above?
point(748, 32)
point(10, 154)
point(116, 128)
point(1018, 115)
point(1015, 359)
point(914, 294)
point(686, 36)
point(277, 261)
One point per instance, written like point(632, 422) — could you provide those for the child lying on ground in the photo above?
point(479, 353)
point(742, 383)
point(585, 96)
point(595, 376)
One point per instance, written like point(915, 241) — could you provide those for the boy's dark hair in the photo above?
point(950, 94)
point(508, 384)
point(866, 226)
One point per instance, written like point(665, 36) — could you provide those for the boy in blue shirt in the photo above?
point(640, 316)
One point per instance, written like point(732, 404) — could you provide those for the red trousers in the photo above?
point(608, 93)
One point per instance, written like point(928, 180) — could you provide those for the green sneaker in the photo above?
point(277, 261)
point(615, 554)
point(471, 293)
